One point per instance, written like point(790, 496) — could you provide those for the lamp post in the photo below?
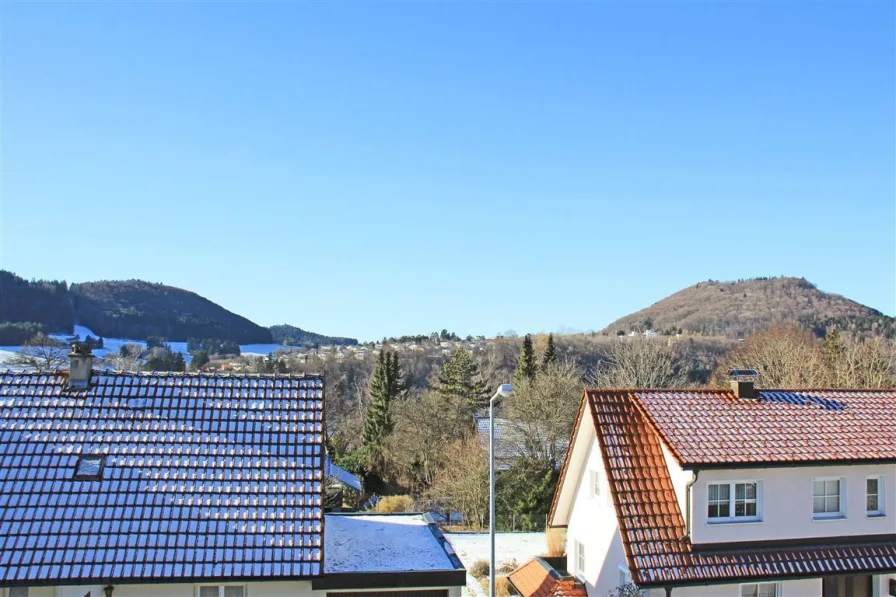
point(503, 391)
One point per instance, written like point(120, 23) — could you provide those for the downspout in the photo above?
point(687, 507)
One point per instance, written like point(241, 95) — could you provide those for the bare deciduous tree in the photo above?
point(42, 352)
point(637, 362)
point(461, 482)
point(542, 411)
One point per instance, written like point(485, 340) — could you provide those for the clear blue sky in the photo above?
point(379, 168)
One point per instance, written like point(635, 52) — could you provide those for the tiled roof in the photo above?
point(707, 427)
point(514, 440)
point(652, 527)
point(204, 477)
point(538, 579)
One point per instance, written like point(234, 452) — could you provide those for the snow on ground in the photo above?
point(383, 543)
point(112, 345)
point(509, 547)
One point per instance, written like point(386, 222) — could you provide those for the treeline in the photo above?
point(137, 309)
point(213, 346)
point(31, 307)
point(292, 336)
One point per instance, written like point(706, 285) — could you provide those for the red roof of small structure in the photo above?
point(715, 427)
point(538, 579)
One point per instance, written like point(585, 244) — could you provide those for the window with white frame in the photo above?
point(595, 483)
point(827, 497)
point(221, 591)
point(874, 496)
point(580, 558)
point(733, 501)
point(760, 589)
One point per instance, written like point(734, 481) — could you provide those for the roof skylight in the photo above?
point(89, 467)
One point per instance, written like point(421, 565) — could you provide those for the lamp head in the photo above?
point(504, 390)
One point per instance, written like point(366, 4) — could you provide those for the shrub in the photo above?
point(395, 503)
point(502, 587)
point(556, 538)
point(507, 567)
point(479, 569)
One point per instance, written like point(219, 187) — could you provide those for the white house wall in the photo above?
point(592, 522)
point(786, 504)
point(679, 477)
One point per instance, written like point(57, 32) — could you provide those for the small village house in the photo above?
point(734, 493)
point(117, 484)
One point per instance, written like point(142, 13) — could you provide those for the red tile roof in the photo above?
point(650, 520)
point(539, 579)
point(712, 427)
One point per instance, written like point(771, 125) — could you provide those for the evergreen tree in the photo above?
point(386, 385)
point(461, 384)
point(200, 360)
point(525, 363)
point(550, 353)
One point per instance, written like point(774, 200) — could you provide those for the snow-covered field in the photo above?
point(111, 345)
point(509, 547)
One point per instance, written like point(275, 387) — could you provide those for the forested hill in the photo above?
point(30, 307)
point(137, 309)
point(130, 309)
point(293, 336)
point(738, 309)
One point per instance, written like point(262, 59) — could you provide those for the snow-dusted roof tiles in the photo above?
point(202, 477)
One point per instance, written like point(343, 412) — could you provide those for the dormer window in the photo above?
point(89, 468)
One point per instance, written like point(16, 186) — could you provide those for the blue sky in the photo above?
point(379, 168)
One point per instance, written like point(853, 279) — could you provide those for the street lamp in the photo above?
point(504, 390)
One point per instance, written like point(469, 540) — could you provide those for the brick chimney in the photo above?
point(743, 383)
point(81, 366)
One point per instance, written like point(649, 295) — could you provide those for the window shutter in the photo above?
point(233, 592)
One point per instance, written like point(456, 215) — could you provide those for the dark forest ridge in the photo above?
point(131, 309)
point(741, 308)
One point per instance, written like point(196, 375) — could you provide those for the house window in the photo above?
point(222, 591)
point(595, 483)
point(760, 589)
point(826, 498)
point(580, 558)
point(874, 505)
point(735, 501)
point(18, 592)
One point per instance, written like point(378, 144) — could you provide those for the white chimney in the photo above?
point(81, 359)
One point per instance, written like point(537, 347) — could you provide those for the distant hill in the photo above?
point(738, 309)
point(293, 336)
point(131, 309)
point(30, 307)
point(137, 309)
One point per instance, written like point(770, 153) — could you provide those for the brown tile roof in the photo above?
point(707, 427)
point(539, 579)
point(650, 520)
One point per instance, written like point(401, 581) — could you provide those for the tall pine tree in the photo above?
point(525, 363)
point(461, 384)
point(550, 353)
point(386, 385)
